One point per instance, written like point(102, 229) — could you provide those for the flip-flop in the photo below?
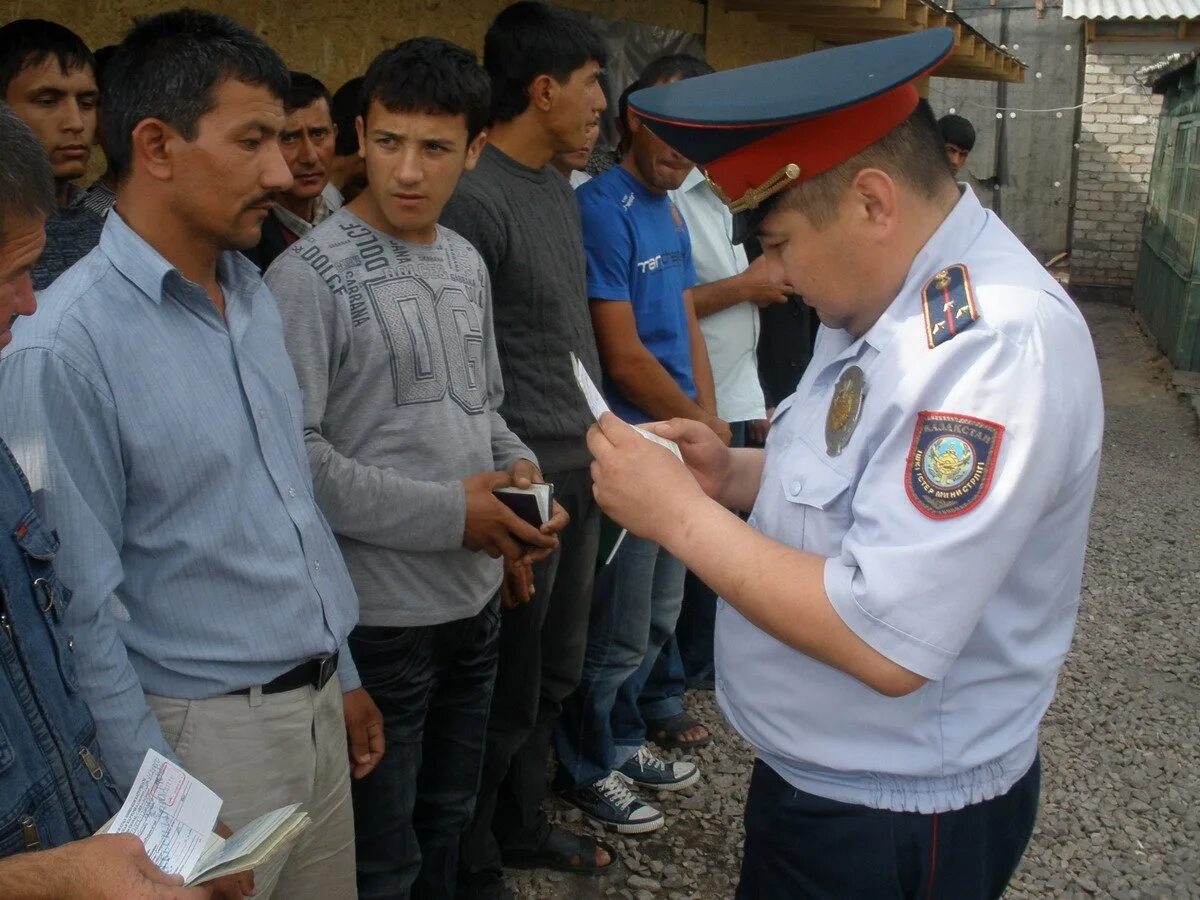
point(564, 851)
point(665, 732)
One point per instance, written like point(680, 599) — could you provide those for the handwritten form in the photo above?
point(171, 812)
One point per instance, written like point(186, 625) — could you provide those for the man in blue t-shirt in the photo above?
point(655, 367)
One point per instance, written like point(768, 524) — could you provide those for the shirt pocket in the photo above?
point(39, 545)
point(817, 501)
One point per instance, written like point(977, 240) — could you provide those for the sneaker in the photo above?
point(611, 803)
point(647, 770)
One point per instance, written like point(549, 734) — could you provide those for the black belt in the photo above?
point(314, 672)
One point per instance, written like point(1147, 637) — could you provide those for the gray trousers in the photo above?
point(260, 752)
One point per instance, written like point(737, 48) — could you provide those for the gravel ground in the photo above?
point(1120, 745)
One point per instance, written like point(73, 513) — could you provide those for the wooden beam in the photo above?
point(1089, 31)
point(761, 6)
point(972, 73)
point(917, 13)
point(1181, 34)
point(818, 24)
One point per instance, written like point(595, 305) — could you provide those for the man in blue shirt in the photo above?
point(157, 415)
point(898, 604)
point(655, 366)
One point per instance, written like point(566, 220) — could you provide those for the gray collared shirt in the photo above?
point(164, 443)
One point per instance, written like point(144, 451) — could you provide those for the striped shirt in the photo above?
point(164, 443)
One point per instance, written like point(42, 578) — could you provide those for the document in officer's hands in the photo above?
point(598, 405)
point(174, 815)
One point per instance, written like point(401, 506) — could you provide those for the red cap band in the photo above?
point(816, 144)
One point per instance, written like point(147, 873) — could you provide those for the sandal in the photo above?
point(564, 851)
point(666, 732)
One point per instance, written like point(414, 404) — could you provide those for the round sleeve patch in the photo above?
point(950, 463)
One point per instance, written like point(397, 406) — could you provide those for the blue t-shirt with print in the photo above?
point(639, 251)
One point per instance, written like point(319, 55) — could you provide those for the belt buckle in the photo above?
point(325, 672)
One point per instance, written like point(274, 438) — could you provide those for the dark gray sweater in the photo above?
point(525, 224)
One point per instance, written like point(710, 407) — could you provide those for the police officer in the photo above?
point(897, 607)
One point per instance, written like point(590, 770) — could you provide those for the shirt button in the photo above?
point(794, 488)
point(292, 492)
point(752, 522)
point(71, 643)
point(316, 565)
point(262, 412)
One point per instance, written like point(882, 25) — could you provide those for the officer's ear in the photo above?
point(875, 198)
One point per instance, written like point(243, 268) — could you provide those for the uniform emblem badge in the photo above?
point(844, 410)
point(950, 463)
point(949, 304)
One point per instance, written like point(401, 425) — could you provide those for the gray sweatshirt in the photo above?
point(393, 347)
point(525, 222)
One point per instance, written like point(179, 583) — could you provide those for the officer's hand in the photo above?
point(494, 528)
point(721, 429)
point(640, 484)
point(706, 456)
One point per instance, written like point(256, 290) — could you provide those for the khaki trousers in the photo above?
point(260, 752)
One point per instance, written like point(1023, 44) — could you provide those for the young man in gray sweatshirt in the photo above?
point(545, 65)
point(388, 320)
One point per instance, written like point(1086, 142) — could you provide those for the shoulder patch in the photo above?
point(949, 304)
point(951, 462)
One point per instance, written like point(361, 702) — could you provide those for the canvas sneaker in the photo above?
point(610, 802)
point(645, 769)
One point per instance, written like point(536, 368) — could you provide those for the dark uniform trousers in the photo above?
point(800, 846)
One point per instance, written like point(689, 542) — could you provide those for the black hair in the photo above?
point(303, 91)
point(623, 102)
point(103, 57)
point(677, 65)
point(429, 75)
point(345, 107)
point(30, 42)
point(957, 131)
point(26, 179)
point(529, 39)
point(169, 67)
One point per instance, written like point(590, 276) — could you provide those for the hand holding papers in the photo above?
point(174, 815)
point(598, 406)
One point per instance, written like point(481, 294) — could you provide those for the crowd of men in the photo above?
point(284, 352)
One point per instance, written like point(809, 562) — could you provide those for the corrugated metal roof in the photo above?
point(1131, 9)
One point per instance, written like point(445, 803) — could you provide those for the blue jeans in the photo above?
point(687, 658)
point(635, 604)
point(433, 685)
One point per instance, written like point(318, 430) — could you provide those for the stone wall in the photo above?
point(1116, 148)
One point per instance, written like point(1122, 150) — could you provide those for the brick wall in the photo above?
point(1116, 148)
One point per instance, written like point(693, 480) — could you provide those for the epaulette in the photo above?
point(949, 304)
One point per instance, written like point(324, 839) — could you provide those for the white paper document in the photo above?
point(174, 815)
point(171, 812)
point(598, 405)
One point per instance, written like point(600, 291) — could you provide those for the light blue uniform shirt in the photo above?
point(981, 603)
point(165, 445)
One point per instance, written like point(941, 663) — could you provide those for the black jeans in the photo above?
point(433, 685)
point(541, 656)
point(802, 846)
